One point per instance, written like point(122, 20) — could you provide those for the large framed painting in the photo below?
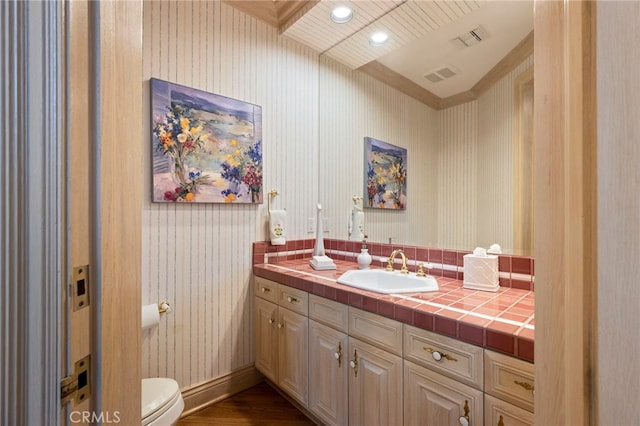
point(206, 148)
point(385, 180)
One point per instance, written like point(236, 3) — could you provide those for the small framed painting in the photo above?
point(206, 148)
point(385, 180)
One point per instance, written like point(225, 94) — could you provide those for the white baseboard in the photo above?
point(208, 393)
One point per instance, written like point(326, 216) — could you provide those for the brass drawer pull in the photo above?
point(338, 355)
point(354, 363)
point(292, 299)
point(525, 385)
point(437, 355)
point(265, 289)
point(465, 420)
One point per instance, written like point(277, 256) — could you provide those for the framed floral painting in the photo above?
point(385, 180)
point(206, 148)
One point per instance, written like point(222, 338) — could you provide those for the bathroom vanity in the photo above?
point(351, 356)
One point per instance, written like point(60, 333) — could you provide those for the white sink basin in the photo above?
point(382, 281)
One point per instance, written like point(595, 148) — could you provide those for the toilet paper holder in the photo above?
point(164, 307)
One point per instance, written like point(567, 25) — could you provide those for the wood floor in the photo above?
point(259, 405)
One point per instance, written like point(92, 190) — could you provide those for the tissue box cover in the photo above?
point(481, 272)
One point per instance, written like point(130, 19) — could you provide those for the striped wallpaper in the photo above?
point(316, 113)
point(197, 257)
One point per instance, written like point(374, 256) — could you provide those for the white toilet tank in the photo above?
point(162, 402)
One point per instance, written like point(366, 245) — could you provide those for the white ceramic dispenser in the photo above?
point(364, 258)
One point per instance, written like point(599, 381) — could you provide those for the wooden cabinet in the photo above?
point(281, 337)
point(328, 374)
point(265, 316)
point(455, 359)
point(500, 413)
point(328, 361)
point(375, 385)
point(352, 367)
point(443, 380)
point(352, 381)
point(375, 360)
point(377, 330)
point(509, 390)
point(293, 331)
point(435, 400)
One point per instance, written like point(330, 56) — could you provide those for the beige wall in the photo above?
point(316, 113)
point(197, 257)
point(618, 347)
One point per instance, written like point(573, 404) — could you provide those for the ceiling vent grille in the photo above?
point(471, 38)
point(441, 74)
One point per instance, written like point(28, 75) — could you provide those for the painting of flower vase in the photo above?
point(385, 181)
point(206, 148)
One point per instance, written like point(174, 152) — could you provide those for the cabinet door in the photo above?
point(432, 399)
point(375, 385)
point(266, 338)
point(328, 374)
point(293, 341)
point(501, 413)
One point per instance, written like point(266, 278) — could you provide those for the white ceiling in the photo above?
point(421, 34)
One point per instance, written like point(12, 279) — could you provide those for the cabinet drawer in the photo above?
point(265, 289)
point(376, 329)
point(458, 360)
point(509, 379)
point(293, 299)
point(500, 413)
point(328, 312)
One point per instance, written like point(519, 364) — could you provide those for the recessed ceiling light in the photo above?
point(378, 38)
point(341, 15)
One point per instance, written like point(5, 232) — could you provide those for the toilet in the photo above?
point(162, 402)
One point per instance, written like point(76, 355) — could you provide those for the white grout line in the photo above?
point(302, 272)
point(435, 305)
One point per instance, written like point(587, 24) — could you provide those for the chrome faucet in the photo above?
point(404, 269)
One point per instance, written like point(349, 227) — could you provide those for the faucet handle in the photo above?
point(390, 264)
point(420, 272)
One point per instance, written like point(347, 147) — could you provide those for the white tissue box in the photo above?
point(481, 272)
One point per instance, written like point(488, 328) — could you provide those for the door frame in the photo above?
point(565, 211)
point(35, 117)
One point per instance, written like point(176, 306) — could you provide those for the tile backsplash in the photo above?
point(514, 271)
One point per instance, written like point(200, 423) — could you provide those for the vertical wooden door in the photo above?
point(375, 385)
point(565, 210)
point(293, 340)
point(104, 177)
point(328, 374)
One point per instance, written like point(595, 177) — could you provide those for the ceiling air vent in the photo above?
point(471, 38)
point(441, 74)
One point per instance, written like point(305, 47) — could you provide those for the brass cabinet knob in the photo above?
point(338, 354)
point(437, 355)
point(354, 363)
point(465, 420)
